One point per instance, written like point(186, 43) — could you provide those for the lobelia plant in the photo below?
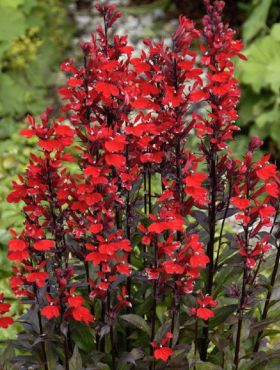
point(127, 257)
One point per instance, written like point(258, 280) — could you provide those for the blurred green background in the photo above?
point(36, 35)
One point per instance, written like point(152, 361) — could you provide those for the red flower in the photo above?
point(117, 144)
point(75, 82)
point(198, 95)
point(5, 322)
point(266, 211)
point(152, 157)
point(112, 247)
point(50, 311)
point(204, 313)
point(83, 314)
point(124, 269)
point(266, 171)
point(204, 310)
point(96, 228)
point(173, 268)
point(116, 160)
point(153, 274)
point(194, 188)
point(240, 203)
point(17, 245)
point(107, 89)
point(163, 353)
point(272, 189)
point(161, 226)
point(75, 301)
point(4, 308)
point(38, 278)
point(44, 245)
point(199, 260)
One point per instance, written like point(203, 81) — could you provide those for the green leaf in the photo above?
point(11, 3)
point(161, 311)
point(257, 20)
point(145, 9)
point(100, 366)
point(272, 73)
point(11, 95)
point(258, 72)
point(137, 321)
point(260, 326)
point(76, 360)
point(207, 366)
point(51, 354)
point(12, 23)
point(245, 330)
point(83, 336)
point(221, 314)
point(275, 31)
point(267, 118)
point(132, 356)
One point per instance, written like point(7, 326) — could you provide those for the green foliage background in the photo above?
point(259, 76)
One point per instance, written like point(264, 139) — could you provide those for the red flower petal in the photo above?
point(116, 160)
point(44, 245)
point(240, 203)
point(199, 260)
point(163, 353)
point(75, 82)
point(204, 313)
point(17, 245)
point(266, 172)
point(50, 311)
point(6, 321)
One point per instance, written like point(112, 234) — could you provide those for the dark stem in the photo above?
point(154, 307)
point(195, 340)
point(240, 320)
point(145, 191)
point(102, 341)
point(113, 349)
point(173, 309)
point(150, 190)
point(222, 229)
point(65, 336)
point(114, 367)
point(211, 244)
point(241, 302)
point(128, 235)
point(256, 272)
point(66, 353)
point(43, 347)
point(268, 297)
